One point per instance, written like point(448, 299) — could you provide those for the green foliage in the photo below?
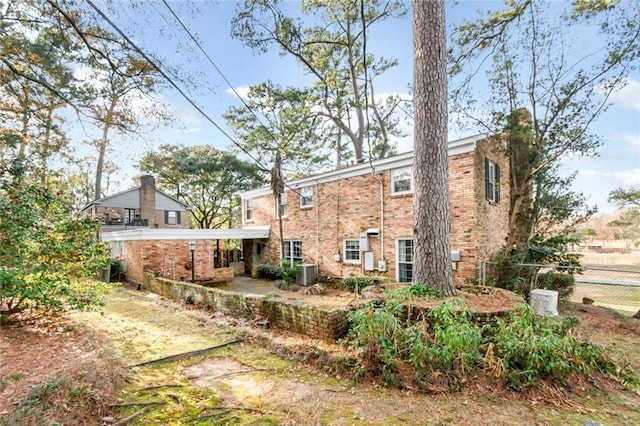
point(206, 179)
point(409, 291)
point(331, 52)
point(563, 283)
point(357, 283)
point(290, 271)
point(45, 254)
point(531, 348)
point(271, 272)
point(446, 341)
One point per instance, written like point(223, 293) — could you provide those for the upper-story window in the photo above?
point(306, 196)
point(171, 217)
point(402, 181)
point(492, 181)
point(282, 208)
point(248, 209)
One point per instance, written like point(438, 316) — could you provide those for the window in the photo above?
point(248, 209)
point(351, 251)
point(404, 250)
point(172, 217)
point(402, 181)
point(129, 215)
point(293, 250)
point(306, 196)
point(282, 211)
point(492, 181)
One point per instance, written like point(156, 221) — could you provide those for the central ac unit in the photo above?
point(307, 274)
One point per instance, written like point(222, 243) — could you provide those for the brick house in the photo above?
point(358, 220)
point(143, 206)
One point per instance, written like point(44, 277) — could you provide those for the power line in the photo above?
point(211, 61)
point(173, 83)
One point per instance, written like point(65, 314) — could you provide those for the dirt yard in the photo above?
point(251, 378)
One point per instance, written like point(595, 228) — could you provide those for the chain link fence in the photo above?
point(618, 289)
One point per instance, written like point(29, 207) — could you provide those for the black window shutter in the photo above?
point(486, 179)
point(497, 184)
point(166, 216)
point(178, 217)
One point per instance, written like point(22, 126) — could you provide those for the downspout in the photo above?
point(381, 180)
point(317, 229)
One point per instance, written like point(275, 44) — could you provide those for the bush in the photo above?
point(356, 284)
point(270, 272)
point(46, 253)
point(564, 284)
point(446, 343)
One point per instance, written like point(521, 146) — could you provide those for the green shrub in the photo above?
point(356, 284)
point(270, 272)
point(531, 348)
point(410, 291)
point(564, 284)
point(522, 349)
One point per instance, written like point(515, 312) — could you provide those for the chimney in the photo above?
point(148, 199)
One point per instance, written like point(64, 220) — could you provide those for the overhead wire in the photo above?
point(172, 82)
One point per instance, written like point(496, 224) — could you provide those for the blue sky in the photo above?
point(617, 166)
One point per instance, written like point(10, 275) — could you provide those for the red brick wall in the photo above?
point(172, 259)
point(350, 206)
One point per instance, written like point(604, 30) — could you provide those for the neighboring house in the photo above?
point(359, 219)
point(143, 206)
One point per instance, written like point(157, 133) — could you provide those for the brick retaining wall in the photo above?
point(294, 315)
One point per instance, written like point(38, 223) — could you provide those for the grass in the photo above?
point(142, 328)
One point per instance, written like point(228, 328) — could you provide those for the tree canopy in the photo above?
point(544, 95)
point(204, 178)
point(333, 53)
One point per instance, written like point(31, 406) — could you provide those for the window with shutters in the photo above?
point(248, 209)
point(492, 181)
point(172, 217)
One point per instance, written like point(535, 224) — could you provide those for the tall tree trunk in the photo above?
point(102, 149)
point(431, 217)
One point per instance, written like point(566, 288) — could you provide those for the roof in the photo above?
point(458, 146)
point(187, 234)
point(131, 199)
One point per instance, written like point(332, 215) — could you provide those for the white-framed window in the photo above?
point(306, 196)
point(404, 260)
point(293, 250)
point(492, 181)
point(351, 251)
point(248, 209)
point(282, 209)
point(171, 217)
point(402, 181)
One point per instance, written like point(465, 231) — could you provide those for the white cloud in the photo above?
point(630, 177)
point(243, 91)
point(632, 142)
point(629, 96)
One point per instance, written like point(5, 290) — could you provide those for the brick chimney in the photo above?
point(148, 199)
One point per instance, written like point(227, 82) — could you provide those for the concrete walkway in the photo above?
point(332, 297)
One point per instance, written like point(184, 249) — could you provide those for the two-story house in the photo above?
point(359, 219)
point(142, 206)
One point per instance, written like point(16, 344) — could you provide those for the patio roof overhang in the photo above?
point(256, 232)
